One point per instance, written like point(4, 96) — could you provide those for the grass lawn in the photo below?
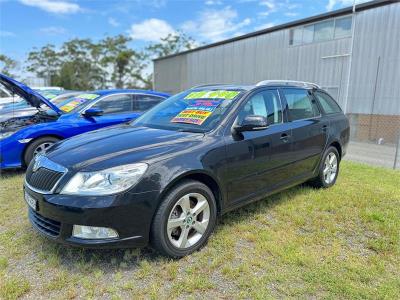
point(342, 242)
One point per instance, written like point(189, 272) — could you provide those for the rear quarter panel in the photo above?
point(339, 130)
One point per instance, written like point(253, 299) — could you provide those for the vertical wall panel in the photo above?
point(269, 56)
point(377, 38)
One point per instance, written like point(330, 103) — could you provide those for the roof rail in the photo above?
point(288, 82)
point(206, 85)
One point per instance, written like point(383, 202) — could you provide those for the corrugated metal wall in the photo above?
point(269, 56)
point(375, 74)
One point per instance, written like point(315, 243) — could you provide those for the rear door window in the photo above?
point(300, 104)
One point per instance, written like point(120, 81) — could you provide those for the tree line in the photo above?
point(84, 64)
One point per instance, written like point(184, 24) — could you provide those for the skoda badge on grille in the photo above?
point(38, 162)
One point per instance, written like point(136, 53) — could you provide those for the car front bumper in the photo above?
point(129, 214)
point(11, 153)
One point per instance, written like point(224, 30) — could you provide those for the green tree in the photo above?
point(126, 64)
point(74, 66)
point(80, 75)
point(44, 62)
point(7, 65)
point(80, 68)
point(111, 62)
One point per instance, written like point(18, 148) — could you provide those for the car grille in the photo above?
point(45, 178)
point(45, 225)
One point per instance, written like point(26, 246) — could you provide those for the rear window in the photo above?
point(328, 104)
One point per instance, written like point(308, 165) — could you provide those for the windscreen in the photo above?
point(193, 110)
point(49, 94)
point(75, 103)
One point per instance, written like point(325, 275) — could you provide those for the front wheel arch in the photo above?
point(23, 154)
point(203, 177)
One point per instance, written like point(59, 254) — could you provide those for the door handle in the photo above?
point(284, 137)
point(324, 128)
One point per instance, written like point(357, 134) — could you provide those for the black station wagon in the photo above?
point(166, 177)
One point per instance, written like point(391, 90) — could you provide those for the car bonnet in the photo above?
point(31, 96)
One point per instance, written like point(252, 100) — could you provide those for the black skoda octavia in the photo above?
point(166, 177)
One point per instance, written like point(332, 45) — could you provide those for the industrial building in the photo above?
point(354, 53)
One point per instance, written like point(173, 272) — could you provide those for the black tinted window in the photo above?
point(115, 104)
point(300, 104)
point(328, 104)
point(145, 102)
point(266, 104)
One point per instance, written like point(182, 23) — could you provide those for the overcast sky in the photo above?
point(25, 24)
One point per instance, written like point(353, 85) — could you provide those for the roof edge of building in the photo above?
point(316, 18)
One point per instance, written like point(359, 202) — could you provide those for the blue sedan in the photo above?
point(22, 138)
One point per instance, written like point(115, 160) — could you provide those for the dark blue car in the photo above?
point(166, 177)
point(22, 138)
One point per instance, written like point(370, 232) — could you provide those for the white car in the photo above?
point(6, 97)
point(48, 88)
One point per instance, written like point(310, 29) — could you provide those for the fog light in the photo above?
point(90, 232)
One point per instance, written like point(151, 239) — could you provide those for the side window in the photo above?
point(145, 102)
point(115, 104)
point(300, 104)
point(265, 103)
point(328, 104)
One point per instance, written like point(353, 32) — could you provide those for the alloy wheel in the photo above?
point(330, 168)
point(188, 220)
point(40, 149)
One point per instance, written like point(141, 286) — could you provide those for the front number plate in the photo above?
point(31, 201)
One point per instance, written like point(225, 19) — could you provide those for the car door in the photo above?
point(309, 131)
point(118, 108)
point(254, 156)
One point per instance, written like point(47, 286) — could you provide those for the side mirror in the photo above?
point(93, 112)
point(252, 123)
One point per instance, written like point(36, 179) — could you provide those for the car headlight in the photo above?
point(4, 135)
point(105, 182)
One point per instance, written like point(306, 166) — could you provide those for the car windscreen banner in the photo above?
point(76, 101)
point(201, 105)
point(220, 94)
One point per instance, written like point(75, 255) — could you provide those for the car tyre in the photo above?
point(184, 220)
point(328, 169)
point(38, 146)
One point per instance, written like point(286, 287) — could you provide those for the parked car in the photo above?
point(5, 96)
point(20, 103)
point(21, 138)
point(8, 100)
point(24, 109)
point(165, 177)
point(49, 88)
